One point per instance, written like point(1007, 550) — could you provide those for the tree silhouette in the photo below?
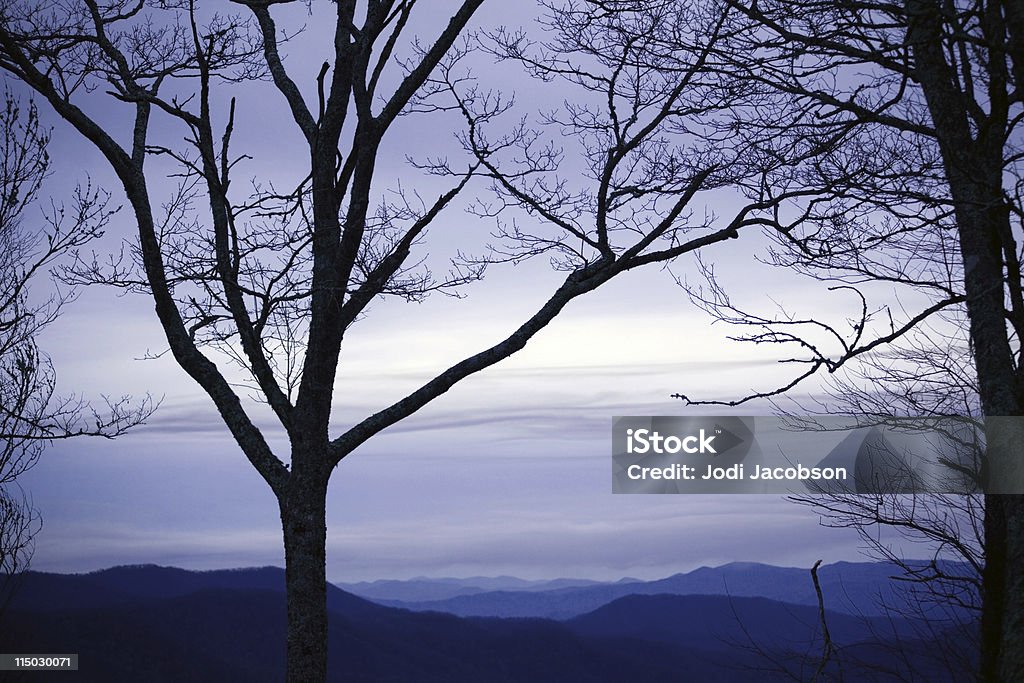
point(30, 414)
point(274, 279)
point(929, 373)
point(930, 94)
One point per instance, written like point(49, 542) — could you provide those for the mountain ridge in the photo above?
point(848, 587)
point(230, 625)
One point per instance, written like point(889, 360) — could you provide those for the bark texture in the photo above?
point(974, 168)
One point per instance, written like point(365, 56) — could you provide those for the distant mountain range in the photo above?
point(423, 589)
point(155, 624)
point(857, 588)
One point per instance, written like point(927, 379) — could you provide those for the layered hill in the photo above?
point(856, 588)
point(163, 624)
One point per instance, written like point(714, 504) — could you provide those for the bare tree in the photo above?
point(24, 384)
point(929, 372)
point(939, 86)
point(275, 279)
point(30, 414)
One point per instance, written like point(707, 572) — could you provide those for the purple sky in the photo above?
point(509, 473)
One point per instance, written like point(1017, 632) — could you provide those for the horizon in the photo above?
point(425, 578)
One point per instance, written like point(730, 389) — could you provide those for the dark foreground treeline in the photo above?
point(160, 624)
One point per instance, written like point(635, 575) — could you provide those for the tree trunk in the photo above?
point(1009, 664)
point(304, 522)
point(974, 170)
point(976, 188)
point(980, 220)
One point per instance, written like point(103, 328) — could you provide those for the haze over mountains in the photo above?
point(849, 587)
point(422, 589)
point(165, 624)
